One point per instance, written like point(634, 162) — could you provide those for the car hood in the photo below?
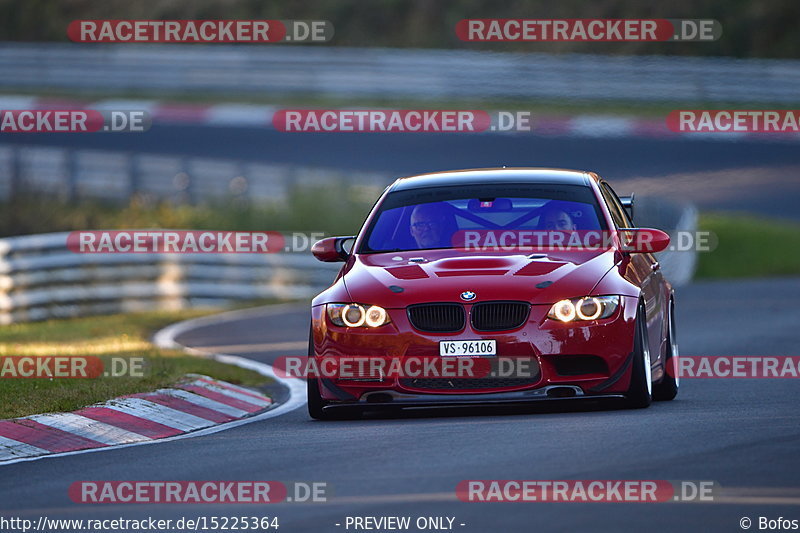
point(399, 279)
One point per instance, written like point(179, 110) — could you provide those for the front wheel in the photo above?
point(640, 391)
point(668, 388)
point(316, 403)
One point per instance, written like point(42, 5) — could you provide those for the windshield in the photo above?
point(438, 217)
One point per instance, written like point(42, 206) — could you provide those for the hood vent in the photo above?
point(407, 272)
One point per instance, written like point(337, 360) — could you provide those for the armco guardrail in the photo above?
point(117, 175)
point(678, 266)
point(405, 73)
point(40, 279)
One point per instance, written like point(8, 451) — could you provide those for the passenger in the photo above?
point(555, 218)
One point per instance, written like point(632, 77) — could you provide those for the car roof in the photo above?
point(495, 175)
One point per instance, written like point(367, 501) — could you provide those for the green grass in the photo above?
point(130, 327)
point(113, 336)
point(749, 247)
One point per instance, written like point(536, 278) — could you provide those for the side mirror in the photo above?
point(333, 249)
point(643, 240)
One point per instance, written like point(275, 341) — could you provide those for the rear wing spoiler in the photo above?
point(627, 203)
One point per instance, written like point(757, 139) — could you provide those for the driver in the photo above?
point(429, 226)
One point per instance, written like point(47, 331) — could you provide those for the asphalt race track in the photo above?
point(742, 434)
point(399, 154)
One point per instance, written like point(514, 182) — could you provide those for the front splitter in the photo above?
point(399, 400)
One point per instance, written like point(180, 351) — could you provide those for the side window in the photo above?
point(614, 206)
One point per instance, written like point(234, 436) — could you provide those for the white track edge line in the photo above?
point(165, 338)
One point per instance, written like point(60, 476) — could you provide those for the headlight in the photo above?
point(376, 316)
point(586, 308)
point(357, 315)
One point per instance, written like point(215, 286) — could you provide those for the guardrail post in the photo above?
point(72, 176)
point(183, 182)
point(134, 172)
point(191, 192)
point(240, 184)
point(15, 184)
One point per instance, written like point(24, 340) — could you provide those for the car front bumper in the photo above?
point(592, 360)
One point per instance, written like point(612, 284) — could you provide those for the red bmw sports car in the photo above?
point(489, 265)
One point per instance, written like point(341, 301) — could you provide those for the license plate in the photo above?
point(474, 347)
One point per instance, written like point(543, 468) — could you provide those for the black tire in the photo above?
point(639, 393)
point(316, 403)
point(668, 388)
